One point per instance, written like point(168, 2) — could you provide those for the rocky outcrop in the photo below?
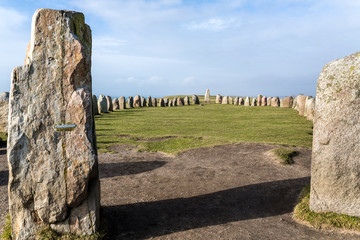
point(115, 104)
point(195, 99)
point(122, 103)
point(130, 102)
point(52, 156)
point(247, 101)
point(102, 104)
point(4, 111)
point(207, 97)
point(275, 102)
point(109, 104)
point(137, 102)
point(335, 168)
point(218, 99)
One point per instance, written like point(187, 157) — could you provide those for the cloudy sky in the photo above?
point(166, 47)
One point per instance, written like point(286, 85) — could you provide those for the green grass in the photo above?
point(3, 139)
point(6, 234)
point(285, 155)
point(197, 126)
point(327, 220)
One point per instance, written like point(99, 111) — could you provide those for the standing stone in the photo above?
point(236, 101)
point(207, 97)
point(94, 105)
point(102, 104)
point(154, 102)
point(195, 99)
point(180, 101)
point(281, 102)
point(241, 101)
point(218, 99)
point(264, 101)
point(130, 102)
point(149, 102)
point(310, 108)
point(170, 103)
point(109, 104)
point(115, 104)
point(247, 101)
point(254, 102)
point(122, 103)
point(225, 100)
point(53, 177)
point(287, 102)
point(161, 102)
point(275, 102)
point(4, 111)
point(137, 102)
point(187, 100)
point(301, 100)
point(174, 102)
point(166, 102)
point(335, 168)
point(143, 102)
point(259, 100)
point(230, 100)
point(294, 105)
point(269, 101)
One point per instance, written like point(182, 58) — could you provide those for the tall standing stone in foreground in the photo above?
point(102, 104)
point(4, 111)
point(53, 170)
point(115, 104)
point(335, 168)
point(122, 103)
point(109, 104)
point(137, 102)
point(218, 99)
point(195, 99)
point(130, 102)
point(207, 97)
point(247, 101)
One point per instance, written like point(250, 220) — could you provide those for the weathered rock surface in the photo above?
point(187, 100)
point(275, 102)
point(53, 175)
point(287, 102)
point(247, 101)
point(180, 101)
point(4, 111)
point(241, 101)
point(149, 102)
point(207, 97)
point(335, 168)
point(225, 100)
point(154, 102)
point(137, 101)
point(231, 100)
point(310, 108)
point(294, 105)
point(281, 102)
point(161, 102)
point(102, 104)
point(170, 103)
point(166, 102)
point(122, 103)
point(259, 100)
point(218, 99)
point(264, 101)
point(195, 99)
point(94, 105)
point(109, 104)
point(254, 102)
point(175, 102)
point(300, 106)
point(130, 102)
point(115, 104)
point(143, 102)
point(236, 101)
point(269, 101)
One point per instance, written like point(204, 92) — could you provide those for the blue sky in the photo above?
point(166, 47)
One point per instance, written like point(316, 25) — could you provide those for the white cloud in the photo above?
point(215, 24)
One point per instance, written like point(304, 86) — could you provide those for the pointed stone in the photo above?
point(207, 97)
point(247, 101)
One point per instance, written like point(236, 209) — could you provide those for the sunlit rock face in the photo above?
point(53, 166)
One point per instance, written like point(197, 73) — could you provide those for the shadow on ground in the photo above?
point(4, 178)
point(151, 219)
point(127, 168)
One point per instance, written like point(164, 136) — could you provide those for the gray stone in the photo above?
point(309, 108)
point(175, 102)
point(275, 102)
point(218, 99)
point(143, 102)
point(170, 103)
point(4, 110)
point(166, 102)
point(231, 101)
point(130, 102)
point(195, 99)
point(236, 101)
point(287, 102)
point(259, 100)
point(154, 102)
point(53, 174)
point(294, 105)
point(269, 101)
point(95, 105)
point(264, 101)
point(247, 101)
point(149, 102)
point(225, 100)
point(335, 168)
point(109, 104)
point(300, 106)
point(241, 101)
point(102, 104)
point(137, 102)
point(180, 101)
point(122, 103)
point(161, 102)
point(281, 102)
point(187, 100)
point(254, 102)
point(207, 97)
point(115, 104)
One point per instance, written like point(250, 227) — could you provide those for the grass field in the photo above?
point(174, 129)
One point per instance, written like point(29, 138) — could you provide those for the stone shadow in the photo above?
point(127, 168)
point(4, 178)
point(151, 219)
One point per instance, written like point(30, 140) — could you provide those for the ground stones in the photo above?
point(54, 179)
point(207, 97)
point(275, 102)
point(130, 102)
point(195, 99)
point(115, 104)
point(109, 104)
point(4, 111)
point(102, 104)
point(241, 101)
point(247, 101)
point(122, 103)
point(287, 102)
point(335, 169)
point(218, 99)
point(137, 102)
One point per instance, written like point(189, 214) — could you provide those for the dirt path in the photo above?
point(222, 192)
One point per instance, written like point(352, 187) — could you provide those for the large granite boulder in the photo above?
point(142, 102)
point(161, 102)
point(122, 103)
point(137, 101)
point(52, 156)
point(309, 108)
point(154, 102)
point(109, 104)
point(269, 101)
point(149, 101)
point(275, 102)
point(300, 106)
point(187, 100)
point(195, 99)
point(254, 102)
point(115, 104)
point(102, 104)
point(180, 101)
point(207, 97)
point(247, 102)
point(259, 100)
point(225, 100)
point(4, 111)
point(335, 168)
point(236, 101)
point(218, 99)
point(94, 103)
point(287, 102)
point(264, 101)
point(130, 102)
